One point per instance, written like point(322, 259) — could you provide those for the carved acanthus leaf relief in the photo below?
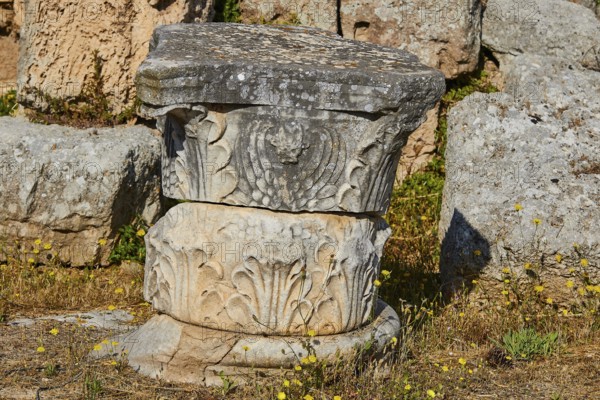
point(279, 169)
point(282, 159)
point(205, 267)
point(369, 175)
point(196, 155)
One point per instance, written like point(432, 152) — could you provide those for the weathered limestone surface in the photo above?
point(305, 121)
point(264, 272)
point(443, 34)
point(554, 28)
point(320, 14)
point(420, 147)
point(165, 348)
point(536, 145)
point(591, 4)
point(10, 17)
point(58, 39)
point(72, 187)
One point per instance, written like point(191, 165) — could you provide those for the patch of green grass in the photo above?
point(526, 343)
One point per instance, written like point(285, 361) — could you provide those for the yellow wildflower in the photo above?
point(462, 361)
point(474, 281)
point(385, 273)
point(38, 241)
point(281, 396)
point(286, 383)
point(114, 343)
point(304, 360)
point(407, 387)
point(558, 257)
point(539, 288)
point(461, 314)
point(549, 300)
point(505, 292)
point(113, 362)
point(245, 348)
point(98, 347)
point(31, 261)
point(40, 349)
point(141, 233)
point(507, 281)
point(470, 371)
point(537, 221)
point(36, 251)
point(47, 246)
point(584, 262)
point(54, 331)
point(308, 397)
point(296, 382)
point(581, 291)
point(102, 242)
point(570, 283)
point(298, 368)
point(377, 283)
point(508, 358)
point(527, 266)
point(119, 290)
point(111, 308)
point(311, 333)
point(518, 207)
point(431, 393)
point(312, 358)
point(445, 368)
point(394, 340)
point(506, 270)
point(337, 397)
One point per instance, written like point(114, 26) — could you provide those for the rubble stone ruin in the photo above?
point(282, 144)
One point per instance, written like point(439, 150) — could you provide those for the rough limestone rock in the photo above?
point(58, 39)
point(303, 121)
point(443, 34)
point(544, 27)
point(165, 348)
point(9, 44)
point(420, 147)
point(320, 14)
point(70, 187)
point(537, 147)
point(263, 272)
point(591, 4)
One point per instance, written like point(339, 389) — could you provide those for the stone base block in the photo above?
point(168, 349)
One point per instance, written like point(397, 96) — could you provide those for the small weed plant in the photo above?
point(8, 103)
point(130, 245)
point(526, 344)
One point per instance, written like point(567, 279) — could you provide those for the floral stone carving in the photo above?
point(284, 141)
point(262, 272)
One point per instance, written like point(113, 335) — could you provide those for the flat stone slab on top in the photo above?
point(281, 66)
